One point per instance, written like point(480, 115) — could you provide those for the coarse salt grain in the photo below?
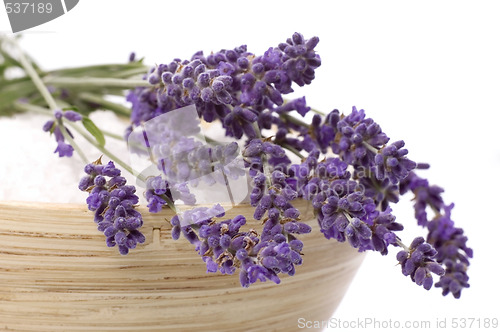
point(30, 171)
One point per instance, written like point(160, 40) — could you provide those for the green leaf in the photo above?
point(53, 128)
point(72, 108)
point(92, 129)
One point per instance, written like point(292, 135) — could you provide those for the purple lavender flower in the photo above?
point(298, 104)
point(383, 235)
point(425, 196)
point(293, 61)
point(350, 193)
point(113, 203)
point(160, 193)
point(225, 248)
point(64, 149)
point(453, 252)
point(54, 127)
point(449, 241)
point(233, 86)
point(360, 142)
point(275, 256)
point(359, 139)
point(72, 116)
point(259, 152)
point(419, 263)
point(455, 278)
point(391, 163)
point(322, 135)
point(382, 192)
point(344, 214)
point(157, 194)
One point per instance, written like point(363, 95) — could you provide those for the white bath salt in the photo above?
point(31, 171)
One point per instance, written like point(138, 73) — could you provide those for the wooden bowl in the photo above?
point(56, 274)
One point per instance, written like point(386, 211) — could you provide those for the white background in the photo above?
point(428, 72)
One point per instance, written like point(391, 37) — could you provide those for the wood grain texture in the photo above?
point(56, 274)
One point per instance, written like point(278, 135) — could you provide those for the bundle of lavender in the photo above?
point(342, 163)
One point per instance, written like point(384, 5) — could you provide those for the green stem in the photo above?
point(131, 72)
point(34, 76)
point(95, 82)
point(104, 150)
point(9, 59)
point(370, 147)
point(317, 111)
point(294, 120)
point(348, 216)
point(402, 245)
point(256, 129)
point(23, 107)
point(121, 69)
point(68, 137)
point(265, 164)
point(112, 135)
point(293, 150)
point(208, 139)
point(170, 204)
point(48, 98)
point(116, 108)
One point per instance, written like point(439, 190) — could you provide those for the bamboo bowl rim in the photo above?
point(56, 274)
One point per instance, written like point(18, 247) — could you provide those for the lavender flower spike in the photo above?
point(113, 204)
point(418, 262)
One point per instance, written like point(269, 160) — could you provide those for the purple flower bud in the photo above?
point(270, 262)
point(110, 231)
point(291, 227)
point(166, 77)
point(132, 223)
point(72, 116)
point(100, 180)
point(213, 241)
point(292, 213)
point(416, 242)
point(85, 183)
point(120, 238)
point(211, 265)
point(176, 232)
point(48, 125)
point(64, 150)
point(241, 254)
point(58, 114)
point(225, 241)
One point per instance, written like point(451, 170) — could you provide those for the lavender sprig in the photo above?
point(224, 247)
point(378, 170)
point(449, 241)
point(113, 203)
point(349, 169)
point(418, 261)
point(56, 127)
point(233, 86)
